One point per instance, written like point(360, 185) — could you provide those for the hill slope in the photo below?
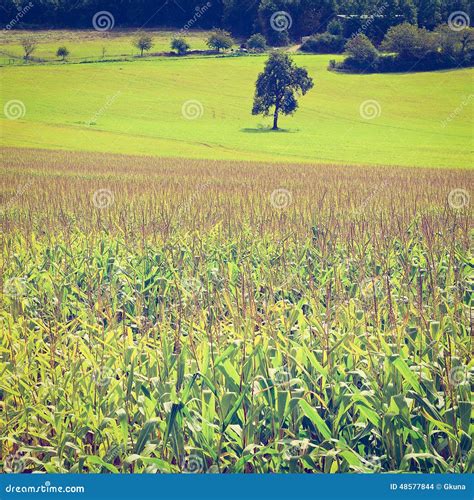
point(421, 119)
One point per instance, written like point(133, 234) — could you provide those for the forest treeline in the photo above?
point(241, 17)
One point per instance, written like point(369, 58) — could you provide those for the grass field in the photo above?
point(137, 108)
point(183, 315)
point(89, 43)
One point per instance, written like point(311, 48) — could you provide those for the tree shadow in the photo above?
point(267, 130)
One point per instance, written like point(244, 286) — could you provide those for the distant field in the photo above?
point(89, 43)
point(421, 119)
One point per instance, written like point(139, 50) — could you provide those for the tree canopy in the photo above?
point(143, 42)
point(241, 17)
point(180, 45)
point(361, 50)
point(62, 52)
point(278, 86)
point(220, 39)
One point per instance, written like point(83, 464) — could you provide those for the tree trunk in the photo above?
point(275, 120)
point(142, 53)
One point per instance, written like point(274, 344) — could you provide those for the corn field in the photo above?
point(163, 316)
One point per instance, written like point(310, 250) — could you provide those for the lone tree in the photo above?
point(278, 86)
point(180, 45)
point(62, 52)
point(220, 39)
point(29, 46)
point(143, 42)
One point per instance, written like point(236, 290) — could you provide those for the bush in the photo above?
point(62, 52)
point(435, 61)
point(279, 38)
point(220, 39)
point(361, 51)
point(324, 43)
point(455, 45)
point(411, 49)
point(180, 45)
point(409, 42)
point(257, 43)
point(335, 27)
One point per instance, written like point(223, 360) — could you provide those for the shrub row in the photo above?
point(408, 47)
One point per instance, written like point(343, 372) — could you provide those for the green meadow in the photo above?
point(136, 108)
point(90, 43)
